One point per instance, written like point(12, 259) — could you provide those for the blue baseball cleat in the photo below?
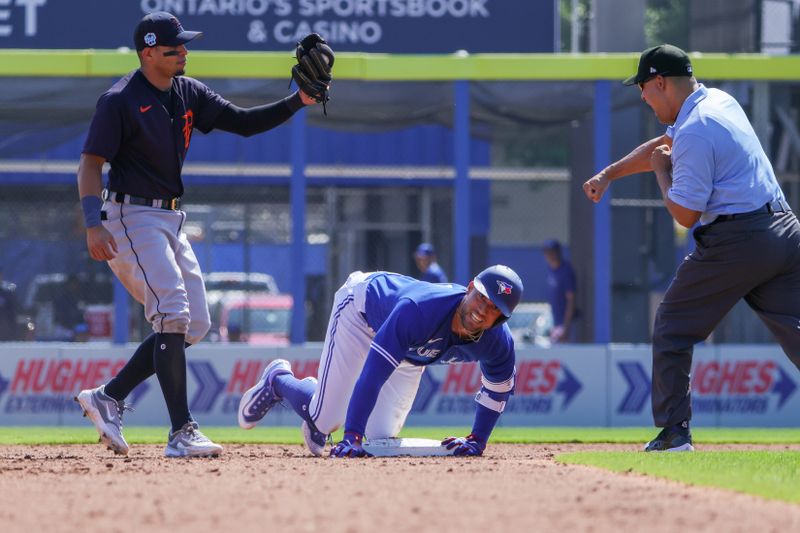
point(258, 400)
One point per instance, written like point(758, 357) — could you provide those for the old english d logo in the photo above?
point(188, 123)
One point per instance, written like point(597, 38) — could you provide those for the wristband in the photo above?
point(487, 401)
point(91, 210)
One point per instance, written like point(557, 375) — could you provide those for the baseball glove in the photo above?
point(312, 73)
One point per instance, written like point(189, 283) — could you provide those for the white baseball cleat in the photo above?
point(189, 441)
point(106, 414)
point(259, 399)
point(315, 440)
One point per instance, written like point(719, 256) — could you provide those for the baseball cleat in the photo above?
point(106, 415)
point(677, 438)
point(259, 399)
point(315, 440)
point(189, 441)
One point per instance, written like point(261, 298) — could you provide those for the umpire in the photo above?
point(711, 169)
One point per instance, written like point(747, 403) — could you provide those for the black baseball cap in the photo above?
point(661, 60)
point(161, 29)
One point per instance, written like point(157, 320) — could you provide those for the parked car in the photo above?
point(231, 285)
point(57, 303)
point(256, 319)
point(531, 323)
point(227, 282)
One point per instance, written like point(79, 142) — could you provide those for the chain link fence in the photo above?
point(375, 191)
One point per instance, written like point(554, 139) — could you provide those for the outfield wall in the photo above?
point(579, 385)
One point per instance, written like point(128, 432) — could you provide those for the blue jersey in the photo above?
point(560, 282)
point(412, 321)
point(145, 133)
point(434, 274)
point(718, 164)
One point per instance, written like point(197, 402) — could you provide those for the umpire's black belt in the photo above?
point(775, 206)
point(172, 204)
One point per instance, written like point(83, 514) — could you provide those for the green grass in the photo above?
point(770, 474)
point(291, 435)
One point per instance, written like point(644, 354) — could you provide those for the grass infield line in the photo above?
point(31, 435)
point(770, 474)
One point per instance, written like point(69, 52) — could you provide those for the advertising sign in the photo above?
point(394, 26)
point(553, 387)
point(732, 385)
point(576, 385)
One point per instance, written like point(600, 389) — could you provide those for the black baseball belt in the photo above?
point(775, 206)
point(171, 204)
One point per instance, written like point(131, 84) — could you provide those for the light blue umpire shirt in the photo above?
point(718, 165)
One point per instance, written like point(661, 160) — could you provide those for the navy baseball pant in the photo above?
point(755, 257)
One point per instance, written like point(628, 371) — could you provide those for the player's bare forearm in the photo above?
point(635, 162)
point(99, 242)
point(90, 175)
point(661, 162)
point(683, 216)
point(638, 160)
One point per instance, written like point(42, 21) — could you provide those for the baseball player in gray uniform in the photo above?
point(143, 127)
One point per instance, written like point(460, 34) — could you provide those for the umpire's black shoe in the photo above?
point(677, 438)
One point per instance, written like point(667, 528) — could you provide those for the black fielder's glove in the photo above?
point(312, 73)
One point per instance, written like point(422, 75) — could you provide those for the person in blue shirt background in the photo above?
point(430, 271)
point(711, 169)
point(384, 329)
point(560, 293)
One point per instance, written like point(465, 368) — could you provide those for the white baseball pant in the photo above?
point(345, 351)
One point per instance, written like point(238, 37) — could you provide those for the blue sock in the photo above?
point(297, 392)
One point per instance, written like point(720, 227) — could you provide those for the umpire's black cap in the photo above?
point(661, 60)
point(161, 29)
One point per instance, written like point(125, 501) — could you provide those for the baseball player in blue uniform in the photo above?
point(429, 268)
point(143, 127)
point(711, 170)
point(384, 329)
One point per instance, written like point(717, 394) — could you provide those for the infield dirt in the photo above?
point(280, 488)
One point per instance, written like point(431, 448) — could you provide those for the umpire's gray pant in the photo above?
point(757, 258)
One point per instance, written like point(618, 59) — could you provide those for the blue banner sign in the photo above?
point(389, 26)
point(578, 385)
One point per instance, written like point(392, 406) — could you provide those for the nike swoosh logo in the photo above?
point(144, 109)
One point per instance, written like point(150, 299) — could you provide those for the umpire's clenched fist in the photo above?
point(595, 187)
point(661, 158)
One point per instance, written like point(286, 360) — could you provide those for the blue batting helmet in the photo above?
point(502, 286)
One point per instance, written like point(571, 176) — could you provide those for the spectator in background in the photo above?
point(425, 257)
point(560, 293)
point(81, 332)
point(8, 310)
point(234, 333)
